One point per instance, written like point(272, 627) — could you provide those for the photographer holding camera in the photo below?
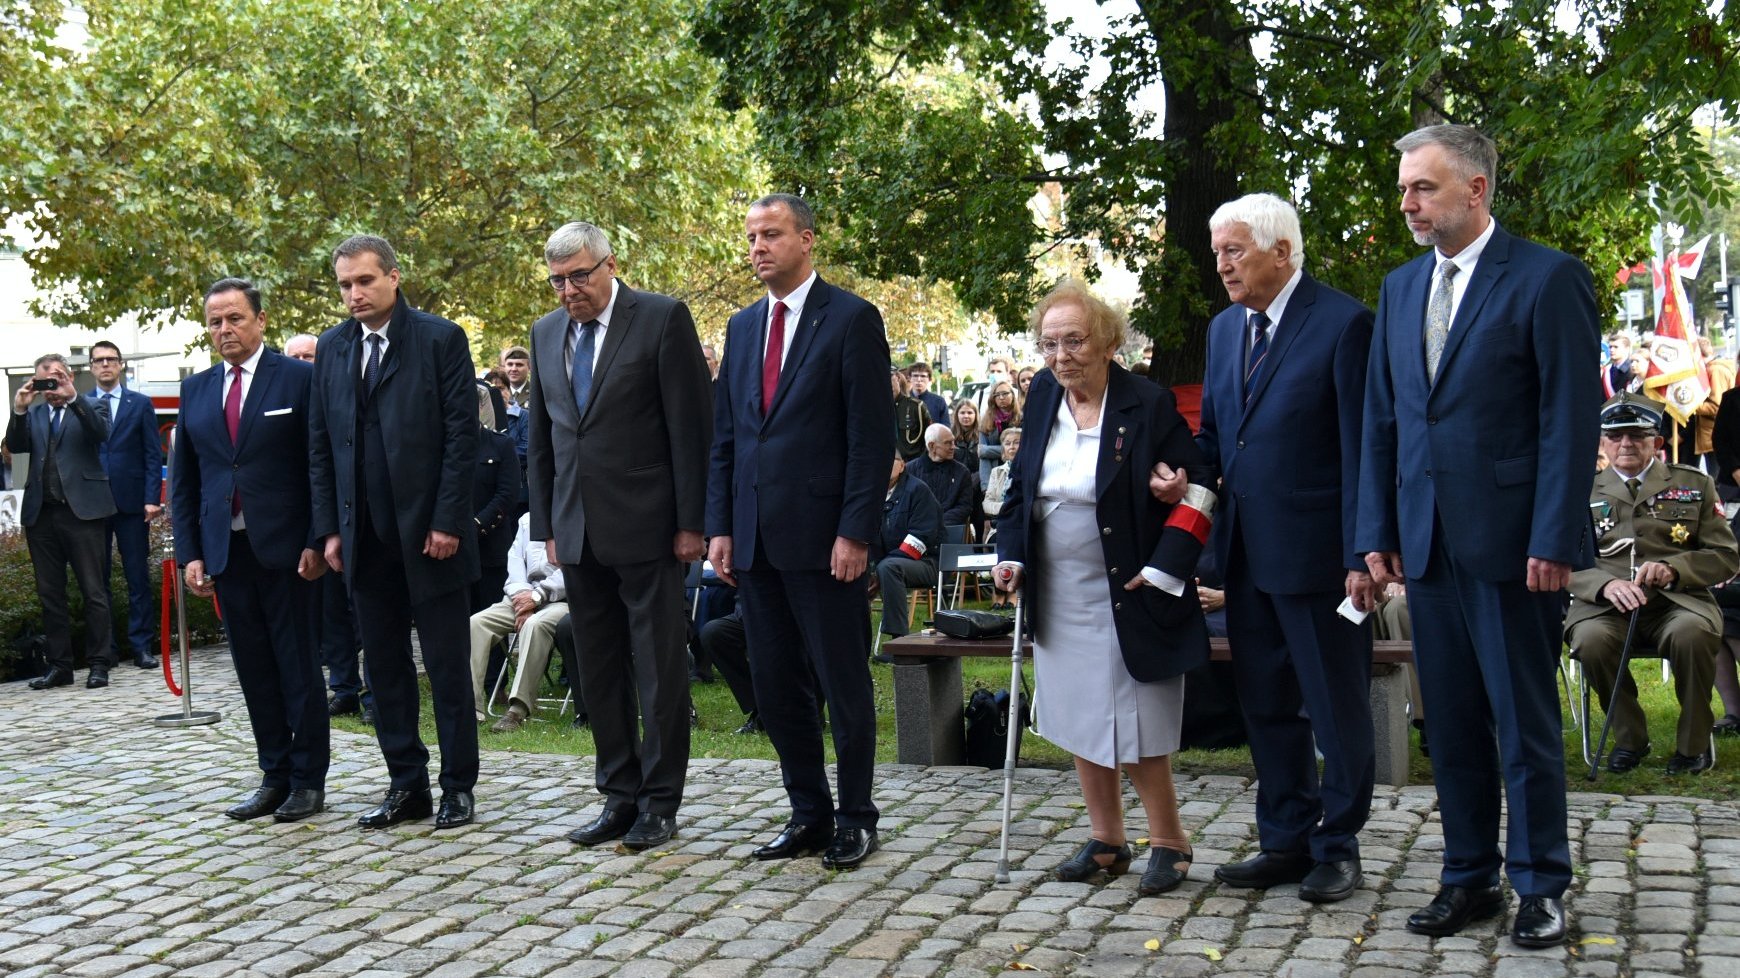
point(67, 504)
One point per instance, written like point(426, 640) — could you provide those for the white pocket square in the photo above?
point(273, 414)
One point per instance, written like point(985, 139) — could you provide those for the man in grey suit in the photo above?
point(67, 506)
point(620, 425)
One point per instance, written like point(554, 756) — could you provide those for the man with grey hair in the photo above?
point(1481, 412)
point(616, 461)
point(399, 524)
point(301, 347)
point(67, 505)
point(954, 485)
point(1281, 406)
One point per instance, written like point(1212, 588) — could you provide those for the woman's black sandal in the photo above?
point(1163, 873)
point(1083, 865)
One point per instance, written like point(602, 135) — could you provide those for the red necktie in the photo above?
point(233, 420)
point(775, 353)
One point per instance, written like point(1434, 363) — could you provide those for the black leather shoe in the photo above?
point(1681, 764)
point(581, 720)
point(608, 826)
point(145, 660)
point(1331, 882)
point(1624, 759)
point(850, 848)
point(751, 726)
point(1540, 922)
point(302, 803)
point(456, 809)
point(1266, 869)
point(649, 830)
point(264, 801)
point(1163, 874)
point(54, 677)
point(1454, 908)
point(342, 704)
point(98, 678)
point(796, 840)
point(1083, 866)
point(400, 805)
point(368, 714)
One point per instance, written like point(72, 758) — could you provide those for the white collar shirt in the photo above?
point(1465, 261)
point(250, 366)
point(603, 320)
point(362, 364)
point(794, 310)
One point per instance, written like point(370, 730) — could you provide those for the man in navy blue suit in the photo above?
point(1480, 415)
point(133, 457)
point(241, 505)
point(803, 429)
point(1281, 408)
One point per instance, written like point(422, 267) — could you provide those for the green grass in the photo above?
point(720, 717)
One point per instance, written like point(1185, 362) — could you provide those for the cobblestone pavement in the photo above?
point(118, 861)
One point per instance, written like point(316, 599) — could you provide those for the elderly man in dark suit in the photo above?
point(617, 460)
point(400, 524)
point(955, 486)
point(1281, 407)
point(67, 504)
point(1480, 419)
point(133, 457)
point(803, 433)
point(242, 529)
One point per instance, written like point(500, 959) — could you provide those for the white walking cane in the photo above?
point(1014, 742)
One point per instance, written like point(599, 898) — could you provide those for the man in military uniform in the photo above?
point(1662, 544)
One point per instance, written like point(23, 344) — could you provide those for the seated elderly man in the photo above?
point(1661, 544)
point(904, 553)
point(953, 484)
point(535, 605)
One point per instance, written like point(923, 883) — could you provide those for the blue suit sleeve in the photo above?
point(869, 425)
point(1567, 341)
point(1375, 529)
point(1352, 356)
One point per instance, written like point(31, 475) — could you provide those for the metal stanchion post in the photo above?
point(188, 717)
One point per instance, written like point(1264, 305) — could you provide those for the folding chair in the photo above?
point(512, 663)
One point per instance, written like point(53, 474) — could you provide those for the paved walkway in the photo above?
point(115, 859)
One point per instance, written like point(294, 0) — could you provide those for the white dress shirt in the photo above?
point(1465, 261)
point(362, 364)
point(249, 367)
point(573, 342)
point(794, 310)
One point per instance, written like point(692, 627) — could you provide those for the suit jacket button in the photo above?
point(1241, 443)
point(1105, 531)
point(1432, 419)
point(1112, 571)
point(1118, 606)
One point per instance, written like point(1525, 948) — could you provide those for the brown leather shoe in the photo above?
point(510, 721)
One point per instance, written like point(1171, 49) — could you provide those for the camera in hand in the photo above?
point(44, 384)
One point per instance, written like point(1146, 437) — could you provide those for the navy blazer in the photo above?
point(84, 426)
point(1160, 635)
point(815, 467)
point(268, 464)
point(427, 400)
point(911, 510)
point(1289, 459)
point(495, 491)
point(1500, 451)
point(133, 455)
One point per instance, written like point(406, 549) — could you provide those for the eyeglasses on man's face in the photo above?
point(576, 279)
point(104, 361)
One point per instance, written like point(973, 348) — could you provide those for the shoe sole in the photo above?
point(641, 845)
point(297, 818)
point(400, 820)
point(852, 864)
point(1481, 913)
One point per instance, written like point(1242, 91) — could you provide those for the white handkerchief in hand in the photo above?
point(1348, 611)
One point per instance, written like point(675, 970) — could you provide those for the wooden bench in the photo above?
point(929, 698)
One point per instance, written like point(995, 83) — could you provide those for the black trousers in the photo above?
point(267, 617)
point(58, 540)
point(809, 641)
point(727, 645)
point(631, 643)
point(336, 643)
point(385, 615)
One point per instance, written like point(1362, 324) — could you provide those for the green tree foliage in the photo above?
point(1590, 102)
point(215, 137)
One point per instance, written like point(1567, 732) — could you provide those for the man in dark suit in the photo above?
point(1281, 407)
point(242, 528)
point(400, 525)
point(495, 494)
point(133, 457)
point(66, 507)
point(617, 460)
point(803, 430)
point(1480, 419)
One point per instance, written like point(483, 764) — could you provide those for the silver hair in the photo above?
point(1471, 152)
point(1269, 218)
point(575, 237)
point(935, 433)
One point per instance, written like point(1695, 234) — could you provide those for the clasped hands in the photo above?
point(1628, 596)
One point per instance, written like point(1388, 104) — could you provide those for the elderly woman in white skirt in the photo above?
point(1105, 574)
